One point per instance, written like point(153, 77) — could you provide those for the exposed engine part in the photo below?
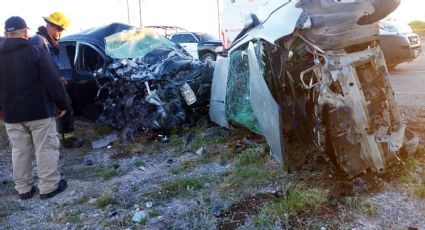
point(162, 90)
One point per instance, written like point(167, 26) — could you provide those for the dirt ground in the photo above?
point(210, 178)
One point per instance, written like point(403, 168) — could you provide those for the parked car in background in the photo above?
point(398, 42)
point(166, 31)
point(201, 46)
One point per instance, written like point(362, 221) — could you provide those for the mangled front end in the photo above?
point(153, 85)
point(318, 80)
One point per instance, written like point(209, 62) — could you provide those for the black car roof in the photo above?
point(96, 36)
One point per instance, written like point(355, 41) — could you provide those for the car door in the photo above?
point(66, 59)
point(188, 41)
point(80, 65)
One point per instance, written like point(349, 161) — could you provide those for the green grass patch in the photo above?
point(249, 157)
point(176, 141)
point(183, 186)
point(358, 204)
point(118, 224)
point(419, 191)
point(74, 216)
point(107, 173)
point(407, 174)
point(253, 168)
point(299, 199)
point(82, 200)
point(184, 166)
point(154, 213)
point(104, 200)
point(139, 162)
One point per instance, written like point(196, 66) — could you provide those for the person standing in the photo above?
point(31, 94)
point(47, 37)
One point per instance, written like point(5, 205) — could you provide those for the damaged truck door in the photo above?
point(317, 81)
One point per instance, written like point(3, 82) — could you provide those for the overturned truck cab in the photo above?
point(311, 73)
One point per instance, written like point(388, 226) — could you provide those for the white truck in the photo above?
point(310, 76)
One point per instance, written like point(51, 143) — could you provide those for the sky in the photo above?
point(193, 15)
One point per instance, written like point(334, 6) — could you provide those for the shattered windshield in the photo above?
point(134, 43)
point(396, 27)
point(206, 37)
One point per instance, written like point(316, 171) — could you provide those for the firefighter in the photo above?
point(47, 37)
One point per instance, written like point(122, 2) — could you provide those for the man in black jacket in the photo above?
point(31, 94)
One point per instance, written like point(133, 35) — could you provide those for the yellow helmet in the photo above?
point(58, 19)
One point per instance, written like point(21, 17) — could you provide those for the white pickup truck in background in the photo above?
point(398, 42)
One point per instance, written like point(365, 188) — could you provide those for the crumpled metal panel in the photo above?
point(335, 25)
point(278, 19)
point(266, 109)
point(218, 93)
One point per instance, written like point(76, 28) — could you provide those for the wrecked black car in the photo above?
point(134, 79)
point(311, 77)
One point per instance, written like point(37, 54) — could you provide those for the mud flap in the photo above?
point(265, 108)
point(218, 93)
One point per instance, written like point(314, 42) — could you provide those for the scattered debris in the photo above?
point(149, 204)
point(213, 132)
point(104, 142)
point(139, 216)
point(200, 151)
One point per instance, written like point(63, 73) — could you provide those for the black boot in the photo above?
point(62, 185)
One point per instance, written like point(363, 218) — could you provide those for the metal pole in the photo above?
point(218, 18)
point(128, 12)
point(140, 13)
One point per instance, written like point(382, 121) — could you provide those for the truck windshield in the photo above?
point(396, 27)
point(206, 37)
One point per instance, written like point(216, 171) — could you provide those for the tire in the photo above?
point(208, 56)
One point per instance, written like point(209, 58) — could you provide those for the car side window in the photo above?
point(184, 38)
point(177, 38)
point(66, 56)
point(89, 60)
point(190, 38)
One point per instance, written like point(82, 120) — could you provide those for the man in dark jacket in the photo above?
point(47, 38)
point(31, 94)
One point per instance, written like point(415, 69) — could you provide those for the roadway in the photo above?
point(408, 80)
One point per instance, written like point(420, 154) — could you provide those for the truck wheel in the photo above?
point(208, 56)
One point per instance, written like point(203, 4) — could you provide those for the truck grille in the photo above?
point(414, 40)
